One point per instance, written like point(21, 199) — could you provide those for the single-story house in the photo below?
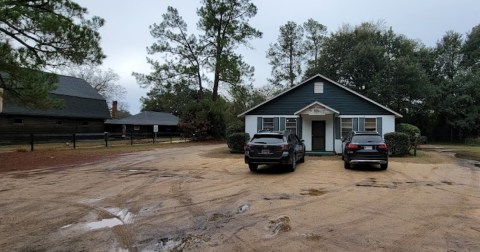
point(83, 110)
point(322, 112)
point(143, 123)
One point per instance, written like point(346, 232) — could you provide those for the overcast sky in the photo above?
point(126, 33)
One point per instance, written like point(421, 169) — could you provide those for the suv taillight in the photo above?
point(352, 147)
point(382, 147)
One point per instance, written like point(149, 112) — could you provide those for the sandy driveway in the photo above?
point(202, 198)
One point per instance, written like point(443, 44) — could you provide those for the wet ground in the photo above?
point(202, 198)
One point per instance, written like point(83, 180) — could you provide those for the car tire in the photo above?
point(346, 164)
point(384, 166)
point(253, 167)
point(293, 166)
point(302, 160)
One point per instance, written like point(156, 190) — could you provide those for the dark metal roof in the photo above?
point(147, 118)
point(80, 100)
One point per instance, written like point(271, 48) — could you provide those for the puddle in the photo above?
point(104, 223)
point(89, 201)
point(179, 243)
point(280, 225)
point(242, 208)
point(313, 192)
point(279, 197)
point(121, 217)
point(468, 159)
point(372, 182)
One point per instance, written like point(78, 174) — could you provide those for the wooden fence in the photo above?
point(74, 140)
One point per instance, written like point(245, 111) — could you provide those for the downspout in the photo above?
point(334, 134)
point(1, 100)
point(301, 130)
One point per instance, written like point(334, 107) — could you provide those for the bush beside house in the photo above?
point(398, 143)
point(236, 141)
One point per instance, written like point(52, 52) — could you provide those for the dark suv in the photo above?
point(365, 147)
point(274, 148)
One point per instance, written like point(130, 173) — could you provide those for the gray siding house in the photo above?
point(84, 110)
point(321, 112)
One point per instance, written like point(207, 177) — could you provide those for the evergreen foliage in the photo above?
point(40, 35)
point(398, 143)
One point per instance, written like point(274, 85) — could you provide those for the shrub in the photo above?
point(235, 127)
point(412, 131)
point(236, 141)
point(398, 143)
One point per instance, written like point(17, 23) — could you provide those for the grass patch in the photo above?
point(422, 157)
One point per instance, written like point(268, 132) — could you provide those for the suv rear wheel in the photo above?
point(253, 167)
point(384, 166)
point(346, 164)
point(293, 166)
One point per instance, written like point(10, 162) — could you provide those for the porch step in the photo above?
point(320, 153)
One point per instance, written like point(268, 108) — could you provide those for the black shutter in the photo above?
point(275, 123)
point(259, 123)
point(379, 126)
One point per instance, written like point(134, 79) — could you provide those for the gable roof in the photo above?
point(332, 82)
point(312, 105)
point(80, 100)
point(77, 87)
point(147, 118)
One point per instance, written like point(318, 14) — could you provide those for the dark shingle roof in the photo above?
point(80, 100)
point(72, 86)
point(147, 118)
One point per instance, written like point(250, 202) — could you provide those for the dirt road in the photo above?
point(201, 198)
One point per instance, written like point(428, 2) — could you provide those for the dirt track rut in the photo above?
point(204, 198)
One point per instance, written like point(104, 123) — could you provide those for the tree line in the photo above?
point(435, 88)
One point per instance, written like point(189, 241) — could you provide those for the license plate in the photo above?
point(265, 151)
point(367, 147)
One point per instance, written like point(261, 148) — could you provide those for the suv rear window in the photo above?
point(272, 139)
point(367, 139)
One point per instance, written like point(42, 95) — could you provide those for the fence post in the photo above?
point(106, 138)
point(131, 137)
point(74, 141)
point(154, 136)
point(31, 142)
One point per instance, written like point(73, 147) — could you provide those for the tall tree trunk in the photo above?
point(216, 82)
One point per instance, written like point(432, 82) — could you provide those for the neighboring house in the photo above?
point(143, 123)
point(84, 110)
point(321, 112)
